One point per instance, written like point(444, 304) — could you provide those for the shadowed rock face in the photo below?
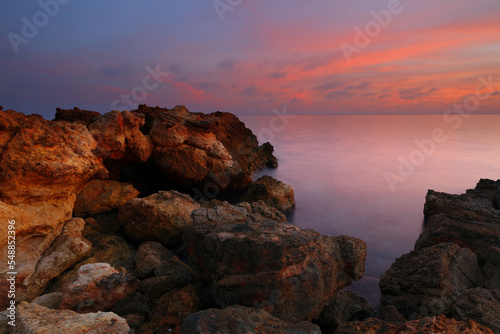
point(239, 319)
point(75, 115)
point(290, 272)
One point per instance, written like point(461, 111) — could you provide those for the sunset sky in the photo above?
point(249, 57)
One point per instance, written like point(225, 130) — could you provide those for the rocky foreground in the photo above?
point(121, 227)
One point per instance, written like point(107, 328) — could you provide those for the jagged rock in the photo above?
point(345, 306)
point(106, 248)
point(33, 318)
point(98, 287)
point(469, 220)
point(50, 300)
point(391, 314)
point(239, 319)
point(171, 309)
point(223, 212)
point(150, 256)
point(75, 115)
point(67, 248)
point(480, 305)
point(439, 324)
point(290, 272)
point(99, 196)
point(160, 217)
point(427, 281)
point(274, 193)
point(139, 146)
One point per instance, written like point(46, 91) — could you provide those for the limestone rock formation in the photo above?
point(274, 193)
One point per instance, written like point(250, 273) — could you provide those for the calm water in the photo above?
point(337, 165)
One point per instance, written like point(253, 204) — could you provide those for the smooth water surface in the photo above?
point(338, 168)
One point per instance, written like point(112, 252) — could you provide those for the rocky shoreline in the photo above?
point(122, 226)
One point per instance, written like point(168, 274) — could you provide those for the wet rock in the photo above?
point(99, 196)
point(274, 193)
point(427, 281)
point(345, 306)
point(171, 310)
point(75, 115)
point(480, 305)
point(98, 287)
point(439, 324)
point(32, 318)
point(290, 272)
point(239, 319)
point(160, 217)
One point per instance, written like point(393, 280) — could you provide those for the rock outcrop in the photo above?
point(239, 319)
point(345, 306)
point(274, 193)
point(76, 115)
point(290, 272)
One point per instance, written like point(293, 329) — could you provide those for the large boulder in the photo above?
point(480, 305)
point(426, 282)
point(33, 318)
point(240, 319)
point(292, 273)
point(160, 217)
point(274, 193)
point(439, 324)
point(99, 196)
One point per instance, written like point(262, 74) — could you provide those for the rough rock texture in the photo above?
point(75, 115)
point(33, 318)
point(469, 220)
point(151, 256)
point(223, 212)
point(67, 248)
point(481, 305)
point(160, 217)
point(239, 319)
point(345, 306)
point(214, 148)
point(439, 324)
point(427, 281)
point(134, 308)
point(106, 248)
point(274, 193)
point(171, 309)
point(99, 196)
point(50, 300)
point(290, 272)
point(98, 287)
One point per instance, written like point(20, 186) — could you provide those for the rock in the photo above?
point(480, 305)
point(160, 217)
point(345, 306)
point(469, 220)
point(223, 212)
point(171, 309)
point(273, 192)
point(439, 324)
point(67, 248)
point(150, 256)
point(427, 281)
point(391, 314)
point(139, 146)
point(98, 287)
point(50, 300)
point(99, 196)
point(75, 115)
point(133, 308)
point(239, 319)
point(33, 318)
point(111, 249)
point(290, 272)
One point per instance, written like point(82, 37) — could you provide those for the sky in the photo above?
point(251, 57)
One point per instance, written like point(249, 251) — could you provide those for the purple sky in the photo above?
point(314, 57)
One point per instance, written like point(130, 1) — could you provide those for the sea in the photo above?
point(367, 176)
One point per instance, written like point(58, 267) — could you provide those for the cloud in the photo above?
point(337, 94)
point(360, 86)
point(277, 75)
point(250, 91)
point(226, 64)
point(327, 86)
point(119, 71)
point(383, 96)
point(414, 93)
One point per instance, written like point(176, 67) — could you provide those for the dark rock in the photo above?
point(49, 300)
point(289, 272)
point(75, 115)
point(480, 305)
point(273, 192)
point(391, 314)
point(427, 281)
point(439, 324)
point(133, 308)
point(345, 306)
point(239, 319)
point(150, 255)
